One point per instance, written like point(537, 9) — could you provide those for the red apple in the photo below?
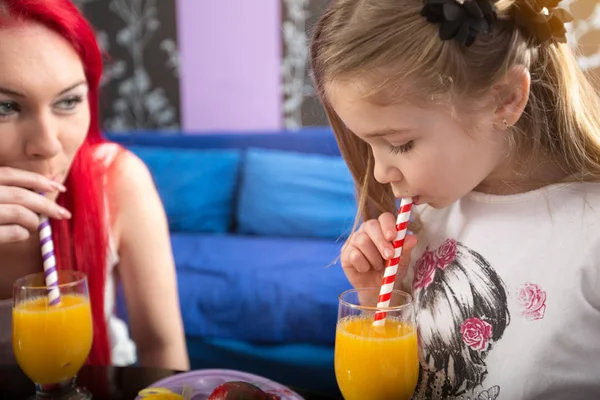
point(237, 390)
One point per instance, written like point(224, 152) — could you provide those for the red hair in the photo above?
point(82, 242)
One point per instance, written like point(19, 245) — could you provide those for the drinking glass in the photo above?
point(376, 362)
point(52, 342)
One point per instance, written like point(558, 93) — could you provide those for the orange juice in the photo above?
point(51, 343)
point(376, 363)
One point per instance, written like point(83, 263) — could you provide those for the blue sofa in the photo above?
point(257, 221)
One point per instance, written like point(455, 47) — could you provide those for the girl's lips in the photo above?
point(415, 199)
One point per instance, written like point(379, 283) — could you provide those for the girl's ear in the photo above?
point(511, 94)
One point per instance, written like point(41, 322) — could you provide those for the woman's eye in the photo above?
point(70, 103)
point(8, 108)
point(402, 148)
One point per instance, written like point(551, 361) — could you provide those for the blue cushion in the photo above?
point(314, 139)
point(259, 289)
point(197, 187)
point(290, 194)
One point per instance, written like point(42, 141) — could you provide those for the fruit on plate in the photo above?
point(238, 390)
point(165, 394)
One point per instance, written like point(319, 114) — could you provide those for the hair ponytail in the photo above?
point(573, 120)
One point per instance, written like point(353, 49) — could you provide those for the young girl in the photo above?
point(478, 111)
point(107, 218)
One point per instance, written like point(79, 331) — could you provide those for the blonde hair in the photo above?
point(390, 41)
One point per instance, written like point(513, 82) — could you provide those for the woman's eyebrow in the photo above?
point(11, 92)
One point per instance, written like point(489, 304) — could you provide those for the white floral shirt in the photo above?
point(507, 293)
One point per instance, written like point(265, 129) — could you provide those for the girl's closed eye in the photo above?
point(403, 148)
point(8, 108)
point(70, 103)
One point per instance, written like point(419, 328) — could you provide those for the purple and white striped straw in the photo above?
point(49, 260)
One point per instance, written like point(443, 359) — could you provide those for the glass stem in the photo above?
point(55, 390)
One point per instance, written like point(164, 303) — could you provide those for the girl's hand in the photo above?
point(364, 255)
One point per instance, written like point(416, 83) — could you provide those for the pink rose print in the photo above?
point(446, 253)
point(476, 333)
point(424, 270)
point(533, 300)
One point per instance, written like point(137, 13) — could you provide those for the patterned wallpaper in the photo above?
point(585, 33)
point(141, 87)
point(300, 106)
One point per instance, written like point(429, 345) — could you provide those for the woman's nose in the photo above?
point(42, 140)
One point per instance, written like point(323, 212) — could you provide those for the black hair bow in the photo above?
point(461, 20)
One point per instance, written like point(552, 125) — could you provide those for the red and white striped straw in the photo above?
point(391, 268)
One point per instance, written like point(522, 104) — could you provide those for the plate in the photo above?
point(204, 381)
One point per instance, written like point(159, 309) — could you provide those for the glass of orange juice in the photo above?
point(376, 362)
point(51, 342)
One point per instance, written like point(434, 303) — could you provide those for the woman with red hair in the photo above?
point(107, 217)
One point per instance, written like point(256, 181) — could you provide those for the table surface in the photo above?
point(105, 383)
